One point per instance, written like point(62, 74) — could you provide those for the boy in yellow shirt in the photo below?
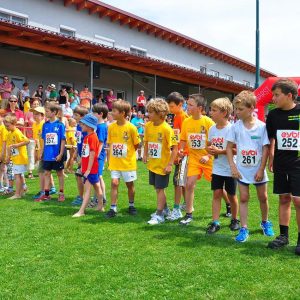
point(16, 152)
point(194, 134)
point(160, 151)
point(3, 137)
point(123, 140)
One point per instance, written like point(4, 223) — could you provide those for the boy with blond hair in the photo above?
point(194, 134)
point(159, 154)
point(252, 145)
point(3, 136)
point(16, 152)
point(123, 140)
point(220, 110)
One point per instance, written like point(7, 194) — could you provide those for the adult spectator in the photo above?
point(53, 93)
point(47, 93)
point(86, 97)
point(138, 122)
point(5, 91)
point(63, 97)
point(24, 92)
point(75, 101)
point(39, 93)
point(141, 101)
point(98, 99)
point(14, 89)
point(110, 98)
point(12, 107)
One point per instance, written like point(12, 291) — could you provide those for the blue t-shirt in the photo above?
point(102, 137)
point(135, 121)
point(79, 138)
point(52, 134)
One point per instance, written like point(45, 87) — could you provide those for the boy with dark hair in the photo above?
point(52, 150)
point(283, 126)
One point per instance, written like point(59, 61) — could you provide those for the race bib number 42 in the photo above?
point(119, 150)
point(248, 158)
point(197, 140)
point(154, 150)
point(51, 139)
point(288, 140)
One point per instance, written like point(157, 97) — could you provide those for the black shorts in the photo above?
point(159, 181)
point(53, 165)
point(218, 182)
point(287, 183)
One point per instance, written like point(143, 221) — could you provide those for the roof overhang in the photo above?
point(47, 41)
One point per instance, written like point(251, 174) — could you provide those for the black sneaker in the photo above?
point(297, 250)
point(104, 202)
point(110, 214)
point(132, 210)
point(186, 220)
point(279, 242)
point(213, 228)
point(234, 225)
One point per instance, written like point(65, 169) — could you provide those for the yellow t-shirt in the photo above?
point(160, 139)
point(3, 137)
point(121, 140)
point(37, 134)
point(70, 136)
point(18, 155)
point(26, 106)
point(195, 134)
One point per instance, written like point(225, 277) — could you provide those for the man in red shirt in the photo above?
point(141, 102)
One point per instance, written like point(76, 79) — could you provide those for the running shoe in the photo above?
point(279, 242)
point(156, 219)
point(175, 215)
point(243, 235)
point(267, 228)
point(186, 220)
point(213, 227)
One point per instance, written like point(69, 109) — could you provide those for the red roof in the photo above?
point(143, 25)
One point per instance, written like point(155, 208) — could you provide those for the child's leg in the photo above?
point(131, 191)
point(102, 185)
point(285, 201)
point(86, 197)
point(216, 204)
point(225, 197)
point(51, 181)
point(244, 199)
point(161, 201)
point(42, 181)
point(71, 159)
point(234, 204)
point(262, 196)
point(79, 186)
point(19, 185)
point(114, 190)
point(61, 180)
point(189, 192)
point(47, 180)
point(99, 195)
point(296, 201)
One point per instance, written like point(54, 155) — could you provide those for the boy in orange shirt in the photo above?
point(194, 134)
point(175, 101)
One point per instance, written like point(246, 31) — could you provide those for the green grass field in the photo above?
point(46, 254)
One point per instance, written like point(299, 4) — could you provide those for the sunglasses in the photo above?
point(13, 101)
point(6, 79)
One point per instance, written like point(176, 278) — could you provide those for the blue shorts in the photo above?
point(93, 178)
point(101, 166)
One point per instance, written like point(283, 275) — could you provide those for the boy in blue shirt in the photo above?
point(52, 150)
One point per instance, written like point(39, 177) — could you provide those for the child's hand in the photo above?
point(235, 173)
point(145, 159)
point(259, 175)
point(58, 157)
point(204, 159)
point(168, 169)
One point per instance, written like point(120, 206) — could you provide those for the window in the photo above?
point(214, 73)
point(121, 95)
point(104, 41)
point(67, 31)
point(229, 77)
point(138, 51)
point(246, 83)
point(8, 15)
point(202, 70)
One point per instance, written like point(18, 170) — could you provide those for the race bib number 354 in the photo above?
point(288, 140)
point(119, 150)
point(51, 139)
point(197, 140)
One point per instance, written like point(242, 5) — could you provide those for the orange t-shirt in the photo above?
point(177, 125)
point(85, 98)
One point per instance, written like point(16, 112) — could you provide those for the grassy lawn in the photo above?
point(46, 254)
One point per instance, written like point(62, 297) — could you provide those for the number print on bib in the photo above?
point(85, 152)
point(288, 140)
point(78, 137)
point(51, 139)
point(14, 151)
point(248, 158)
point(197, 140)
point(154, 150)
point(119, 150)
point(219, 142)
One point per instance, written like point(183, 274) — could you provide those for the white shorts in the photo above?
point(19, 169)
point(127, 176)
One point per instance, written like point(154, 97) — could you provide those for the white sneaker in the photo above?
point(183, 207)
point(186, 220)
point(175, 215)
point(166, 213)
point(156, 219)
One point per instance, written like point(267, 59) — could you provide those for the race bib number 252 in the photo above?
point(288, 140)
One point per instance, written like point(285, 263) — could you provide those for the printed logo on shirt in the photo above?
point(177, 134)
point(125, 136)
point(159, 137)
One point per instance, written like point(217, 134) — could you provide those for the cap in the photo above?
point(90, 120)
point(52, 86)
point(38, 109)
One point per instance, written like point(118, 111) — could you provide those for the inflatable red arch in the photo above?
point(264, 94)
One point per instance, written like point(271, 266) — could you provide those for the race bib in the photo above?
point(14, 151)
point(51, 139)
point(85, 152)
point(197, 140)
point(288, 140)
point(248, 158)
point(154, 150)
point(78, 137)
point(119, 150)
point(219, 142)
point(177, 134)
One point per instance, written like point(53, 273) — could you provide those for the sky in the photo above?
point(230, 27)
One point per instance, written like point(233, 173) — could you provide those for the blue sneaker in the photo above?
point(267, 228)
point(77, 201)
point(243, 235)
point(38, 195)
point(52, 191)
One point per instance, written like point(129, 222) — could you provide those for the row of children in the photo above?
point(197, 145)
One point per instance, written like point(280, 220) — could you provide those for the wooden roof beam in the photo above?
point(68, 2)
point(105, 13)
point(160, 33)
point(82, 5)
point(94, 9)
point(144, 27)
point(151, 30)
point(125, 21)
point(134, 24)
point(115, 17)
point(173, 38)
